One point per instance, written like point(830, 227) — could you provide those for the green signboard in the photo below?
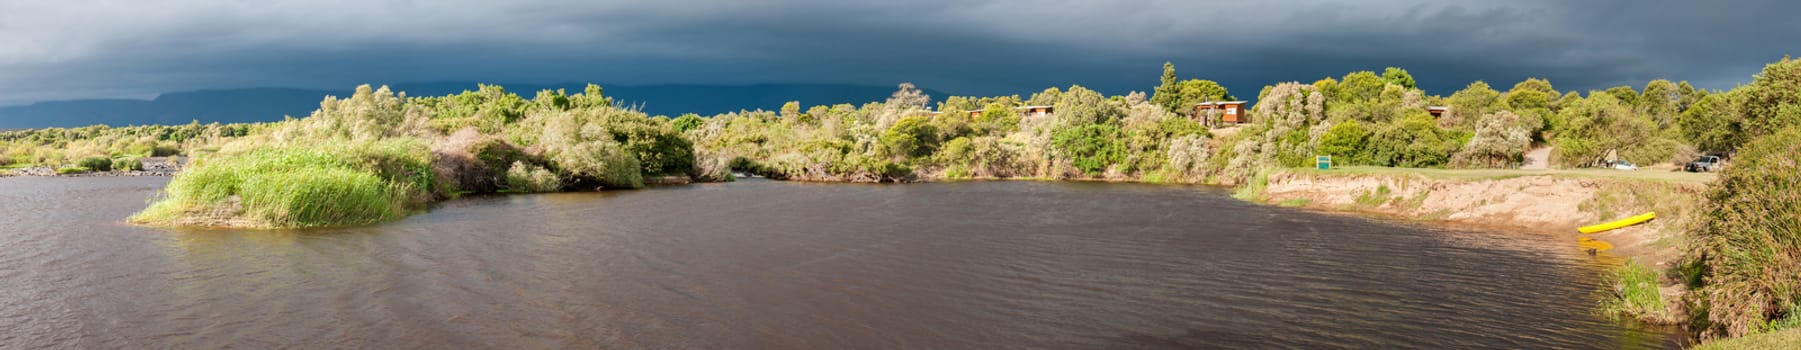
point(1325, 162)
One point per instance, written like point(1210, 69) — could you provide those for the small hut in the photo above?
point(1228, 111)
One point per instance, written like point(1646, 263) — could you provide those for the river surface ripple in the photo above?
point(759, 264)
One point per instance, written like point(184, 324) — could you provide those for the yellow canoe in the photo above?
point(1641, 218)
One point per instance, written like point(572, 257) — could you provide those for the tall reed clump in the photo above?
point(286, 187)
point(1632, 294)
point(1744, 262)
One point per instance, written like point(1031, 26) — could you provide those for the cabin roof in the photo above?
point(1220, 103)
point(1438, 108)
point(1031, 107)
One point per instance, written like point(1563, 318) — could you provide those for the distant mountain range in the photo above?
point(271, 104)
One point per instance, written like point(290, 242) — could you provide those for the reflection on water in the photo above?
point(759, 264)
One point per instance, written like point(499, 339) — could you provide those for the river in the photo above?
point(760, 264)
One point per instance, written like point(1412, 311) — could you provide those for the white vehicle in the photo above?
point(1624, 165)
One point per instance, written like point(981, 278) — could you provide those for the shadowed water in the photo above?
point(774, 265)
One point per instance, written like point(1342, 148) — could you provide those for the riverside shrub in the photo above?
point(521, 177)
point(1745, 254)
point(128, 163)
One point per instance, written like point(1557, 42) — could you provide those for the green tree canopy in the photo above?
point(1398, 76)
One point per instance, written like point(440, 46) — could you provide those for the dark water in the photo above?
point(774, 265)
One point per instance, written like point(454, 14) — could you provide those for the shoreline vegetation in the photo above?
point(1723, 258)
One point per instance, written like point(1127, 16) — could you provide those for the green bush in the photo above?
point(71, 170)
point(95, 163)
point(687, 122)
point(128, 164)
point(1746, 251)
point(911, 137)
point(1090, 148)
point(1345, 143)
point(1415, 141)
point(521, 177)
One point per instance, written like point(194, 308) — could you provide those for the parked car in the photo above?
point(1624, 165)
point(1708, 163)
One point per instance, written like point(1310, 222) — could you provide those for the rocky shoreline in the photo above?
point(155, 166)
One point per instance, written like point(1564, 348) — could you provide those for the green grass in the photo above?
point(1376, 197)
point(1632, 294)
point(321, 197)
point(1252, 191)
point(331, 184)
point(1496, 174)
point(1297, 202)
point(1778, 340)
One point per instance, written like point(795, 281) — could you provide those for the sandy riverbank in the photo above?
point(1525, 200)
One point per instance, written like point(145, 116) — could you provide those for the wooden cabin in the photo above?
point(1034, 111)
point(1437, 111)
point(1025, 112)
point(1229, 111)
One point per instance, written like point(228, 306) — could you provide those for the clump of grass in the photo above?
point(1631, 293)
point(321, 197)
point(1252, 190)
point(1744, 258)
point(329, 184)
point(128, 163)
point(1382, 194)
point(95, 163)
point(71, 170)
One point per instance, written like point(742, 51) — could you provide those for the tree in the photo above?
point(1660, 102)
point(1531, 100)
point(1345, 143)
point(1398, 76)
point(1773, 100)
point(1179, 97)
point(908, 97)
point(1601, 123)
point(1473, 101)
point(1532, 93)
point(1414, 141)
point(1167, 93)
point(790, 110)
point(1359, 86)
point(1625, 94)
point(1049, 96)
point(1499, 143)
point(1711, 124)
point(1083, 106)
point(911, 137)
point(1091, 148)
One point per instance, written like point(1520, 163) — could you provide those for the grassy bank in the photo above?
point(1778, 340)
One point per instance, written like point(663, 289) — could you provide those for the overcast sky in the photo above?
point(69, 49)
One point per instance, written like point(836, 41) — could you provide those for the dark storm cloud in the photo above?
point(81, 49)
